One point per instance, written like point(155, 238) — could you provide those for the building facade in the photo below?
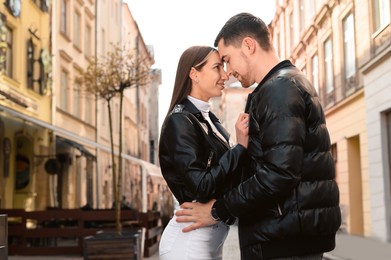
point(54, 137)
point(336, 43)
point(73, 23)
point(25, 103)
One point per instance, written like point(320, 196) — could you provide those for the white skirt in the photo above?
point(201, 244)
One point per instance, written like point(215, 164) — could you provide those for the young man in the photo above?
point(288, 201)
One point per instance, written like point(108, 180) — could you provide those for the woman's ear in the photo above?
point(193, 74)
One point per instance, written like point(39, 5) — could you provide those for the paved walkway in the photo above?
point(359, 248)
point(348, 248)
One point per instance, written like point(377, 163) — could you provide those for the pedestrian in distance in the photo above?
point(287, 203)
point(196, 157)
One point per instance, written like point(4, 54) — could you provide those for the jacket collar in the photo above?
point(193, 109)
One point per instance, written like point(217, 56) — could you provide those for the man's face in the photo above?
point(236, 62)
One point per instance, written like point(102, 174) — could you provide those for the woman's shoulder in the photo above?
point(178, 116)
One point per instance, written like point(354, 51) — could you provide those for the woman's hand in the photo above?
point(241, 127)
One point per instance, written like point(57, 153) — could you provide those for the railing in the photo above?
point(60, 231)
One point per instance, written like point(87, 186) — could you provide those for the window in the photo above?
point(88, 109)
point(30, 64)
point(103, 42)
point(8, 63)
point(64, 16)
point(381, 10)
point(103, 113)
point(152, 151)
point(87, 49)
point(334, 152)
point(328, 66)
point(42, 4)
point(76, 30)
point(349, 46)
point(291, 29)
point(315, 72)
point(311, 10)
point(64, 90)
point(116, 116)
point(301, 15)
point(76, 99)
point(276, 42)
point(388, 122)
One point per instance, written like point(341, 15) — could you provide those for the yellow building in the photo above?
point(333, 42)
point(25, 103)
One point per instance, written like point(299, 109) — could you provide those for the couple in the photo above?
point(278, 180)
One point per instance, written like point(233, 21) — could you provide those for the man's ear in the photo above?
point(248, 44)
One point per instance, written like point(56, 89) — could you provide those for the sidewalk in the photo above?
point(359, 248)
point(348, 248)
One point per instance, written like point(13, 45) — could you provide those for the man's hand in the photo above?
point(196, 212)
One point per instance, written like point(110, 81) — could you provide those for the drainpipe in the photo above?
point(144, 199)
point(52, 180)
point(97, 121)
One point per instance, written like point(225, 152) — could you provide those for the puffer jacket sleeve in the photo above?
point(276, 140)
point(183, 148)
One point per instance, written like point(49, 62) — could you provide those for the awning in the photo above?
point(78, 146)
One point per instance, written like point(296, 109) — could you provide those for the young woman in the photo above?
point(196, 158)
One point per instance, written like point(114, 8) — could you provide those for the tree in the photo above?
point(107, 78)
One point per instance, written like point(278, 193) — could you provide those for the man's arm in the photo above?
point(196, 212)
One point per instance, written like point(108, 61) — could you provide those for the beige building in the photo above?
point(108, 36)
point(342, 48)
point(74, 115)
point(25, 103)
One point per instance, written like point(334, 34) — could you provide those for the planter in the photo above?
point(111, 245)
point(3, 237)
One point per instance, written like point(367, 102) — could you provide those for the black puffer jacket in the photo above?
point(196, 164)
point(288, 201)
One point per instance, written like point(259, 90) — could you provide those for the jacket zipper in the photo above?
point(209, 160)
point(279, 209)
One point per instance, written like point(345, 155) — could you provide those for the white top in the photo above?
point(204, 107)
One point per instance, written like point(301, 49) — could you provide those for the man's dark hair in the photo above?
point(242, 25)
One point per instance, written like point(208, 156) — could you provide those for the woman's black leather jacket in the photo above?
point(196, 164)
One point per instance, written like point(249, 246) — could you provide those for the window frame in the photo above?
point(378, 25)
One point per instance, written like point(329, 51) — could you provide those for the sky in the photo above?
point(171, 26)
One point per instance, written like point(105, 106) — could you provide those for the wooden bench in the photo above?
point(152, 223)
point(60, 231)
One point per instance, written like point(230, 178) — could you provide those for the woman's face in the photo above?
point(209, 81)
